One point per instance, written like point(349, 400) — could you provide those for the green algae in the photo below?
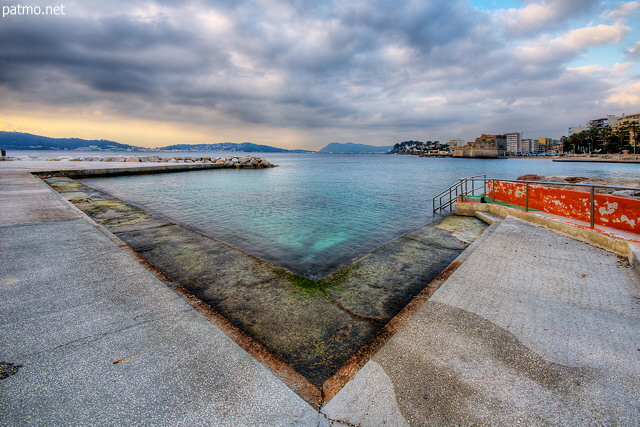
point(321, 286)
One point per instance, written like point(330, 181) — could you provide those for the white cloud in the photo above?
point(565, 47)
point(623, 11)
point(626, 96)
point(377, 68)
point(542, 16)
point(634, 52)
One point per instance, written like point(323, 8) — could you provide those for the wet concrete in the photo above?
point(315, 326)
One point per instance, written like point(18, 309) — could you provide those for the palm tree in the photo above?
point(593, 134)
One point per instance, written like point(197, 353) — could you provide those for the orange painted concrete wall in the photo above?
point(616, 212)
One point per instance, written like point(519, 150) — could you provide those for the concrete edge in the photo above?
point(280, 369)
point(634, 258)
point(601, 239)
point(348, 371)
point(136, 170)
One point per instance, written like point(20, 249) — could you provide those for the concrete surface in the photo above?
point(532, 328)
point(327, 320)
point(101, 341)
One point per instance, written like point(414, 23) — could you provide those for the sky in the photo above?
point(300, 74)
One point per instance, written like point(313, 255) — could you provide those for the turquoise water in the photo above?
point(317, 212)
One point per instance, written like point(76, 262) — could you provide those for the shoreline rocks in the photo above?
point(239, 162)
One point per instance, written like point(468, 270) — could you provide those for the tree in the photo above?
point(611, 140)
point(633, 134)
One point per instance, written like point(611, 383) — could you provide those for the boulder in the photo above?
point(627, 193)
point(530, 177)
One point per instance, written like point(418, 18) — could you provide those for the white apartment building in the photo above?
point(514, 142)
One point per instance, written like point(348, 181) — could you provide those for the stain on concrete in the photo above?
point(458, 347)
point(8, 369)
point(315, 326)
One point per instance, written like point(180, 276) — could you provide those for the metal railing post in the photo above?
point(592, 207)
point(526, 207)
point(493, 196)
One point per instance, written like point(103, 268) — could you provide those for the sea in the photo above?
point(316, 212)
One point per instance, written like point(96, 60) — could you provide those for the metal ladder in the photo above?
point(464, 187)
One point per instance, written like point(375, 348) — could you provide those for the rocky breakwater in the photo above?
point(246, 162)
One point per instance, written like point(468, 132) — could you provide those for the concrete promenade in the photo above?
point(533, 328)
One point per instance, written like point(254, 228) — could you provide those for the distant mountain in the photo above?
point(27, 141)
point(350, 147)
point(230, 146)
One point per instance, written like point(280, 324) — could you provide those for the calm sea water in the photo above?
point(319, 211)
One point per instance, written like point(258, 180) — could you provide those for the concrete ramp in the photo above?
point(533, 328)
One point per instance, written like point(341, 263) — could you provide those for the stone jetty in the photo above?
point(247, 162)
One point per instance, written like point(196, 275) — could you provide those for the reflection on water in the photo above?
point(318, 211)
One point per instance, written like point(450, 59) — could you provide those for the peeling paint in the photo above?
point(609, 209)
point(613, 211)
point(631, 222)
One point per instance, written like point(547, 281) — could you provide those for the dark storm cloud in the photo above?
point(298, 63)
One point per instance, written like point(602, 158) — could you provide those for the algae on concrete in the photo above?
point(316, 326)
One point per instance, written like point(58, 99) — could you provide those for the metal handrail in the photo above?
point(459, 188)
point(617, 187)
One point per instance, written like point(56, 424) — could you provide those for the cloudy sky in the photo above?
point(304, 73)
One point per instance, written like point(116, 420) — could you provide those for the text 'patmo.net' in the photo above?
point(20, 10)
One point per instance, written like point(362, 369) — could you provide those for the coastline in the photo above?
point(596, 160)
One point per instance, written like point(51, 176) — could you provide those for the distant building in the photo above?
point(485, 146)
point(457, 142)
point(513, 142)
point(545, 145)
point(530, 146)
point(610, 120)
point(577, 129)
point(623, 126)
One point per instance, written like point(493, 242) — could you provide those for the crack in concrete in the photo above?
point(433, 245)
point(351, 313)
point(95, 337)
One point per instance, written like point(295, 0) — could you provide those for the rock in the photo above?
point(627, 193)
point(132, 160)
point(555, 179)
point(575, 179)
point(530, 177)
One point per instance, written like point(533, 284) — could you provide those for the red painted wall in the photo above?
point(616, 212)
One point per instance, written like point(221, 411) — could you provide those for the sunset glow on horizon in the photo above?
point(300, 75)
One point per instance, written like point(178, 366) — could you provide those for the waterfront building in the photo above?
point(629, 126)
point(457, 142)
point(530, 145)
point(513, 142)
point(545, 145)
point(485, 146)
point(598, 124)
point(577, 129)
